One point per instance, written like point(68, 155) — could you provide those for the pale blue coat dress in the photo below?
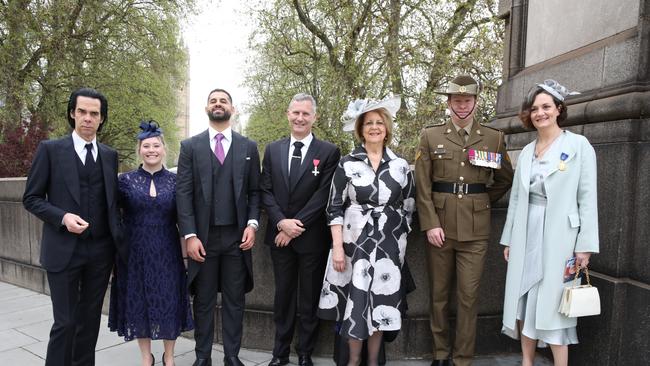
point(551, 215)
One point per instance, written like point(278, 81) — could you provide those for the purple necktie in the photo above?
point(218, 148)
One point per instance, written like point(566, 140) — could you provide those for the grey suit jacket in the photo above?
point(194, 190)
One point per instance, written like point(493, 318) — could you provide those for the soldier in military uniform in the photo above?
point(461, 168)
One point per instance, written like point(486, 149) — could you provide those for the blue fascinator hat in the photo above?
point(557, 90)
point(149, 129)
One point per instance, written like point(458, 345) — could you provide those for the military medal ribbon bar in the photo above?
point(484, 158)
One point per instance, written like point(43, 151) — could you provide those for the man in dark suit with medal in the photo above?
point(461, 168)
point(217, 195)
point(72, 188)
point(296, 177)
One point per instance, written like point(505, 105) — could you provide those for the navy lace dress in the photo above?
point(149, 294)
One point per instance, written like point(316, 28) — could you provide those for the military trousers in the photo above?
point(463, 261)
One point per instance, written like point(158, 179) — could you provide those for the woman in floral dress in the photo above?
point(369, 213)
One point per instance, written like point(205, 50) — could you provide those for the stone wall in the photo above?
point(560, 26)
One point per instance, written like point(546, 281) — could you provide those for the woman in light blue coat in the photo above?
point(552, 217)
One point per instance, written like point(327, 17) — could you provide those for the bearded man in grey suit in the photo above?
point(217, 195)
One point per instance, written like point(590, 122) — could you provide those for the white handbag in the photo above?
point(580, 300)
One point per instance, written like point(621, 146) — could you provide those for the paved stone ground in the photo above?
point(26, 318)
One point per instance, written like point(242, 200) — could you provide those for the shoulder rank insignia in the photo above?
point(484, 124)
point(435, 124)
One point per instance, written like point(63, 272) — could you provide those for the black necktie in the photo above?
point(90, 162)
point(296, 159)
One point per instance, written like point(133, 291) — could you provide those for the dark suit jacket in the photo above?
point(53, 190)
point(194, 190)
point(307, 201)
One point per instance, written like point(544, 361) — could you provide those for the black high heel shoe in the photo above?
point(163, 358)
point(153, 359)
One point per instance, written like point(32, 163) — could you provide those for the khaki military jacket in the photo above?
point(442, 157)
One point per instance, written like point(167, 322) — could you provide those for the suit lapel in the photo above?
point(108, 172)
point(238, 149)
point(204, 154)
point(476, 135)
point(69, 167)
point(284, 161)
point(307, 162)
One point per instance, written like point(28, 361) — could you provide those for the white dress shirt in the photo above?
point(306, 142)
point(225, 142)
point(80, 147)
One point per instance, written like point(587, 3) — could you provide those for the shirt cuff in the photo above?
point(189, 236)
point(253, 223)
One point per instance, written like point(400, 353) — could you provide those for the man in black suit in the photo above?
point(72, 187)
point(296, 177)
point(217, 196)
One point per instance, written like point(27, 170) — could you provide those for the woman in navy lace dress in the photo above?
point(149, 299)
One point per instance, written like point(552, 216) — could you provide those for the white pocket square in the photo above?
point(248, 158)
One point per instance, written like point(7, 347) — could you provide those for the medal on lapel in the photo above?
point(315, 171)
point(562, 165)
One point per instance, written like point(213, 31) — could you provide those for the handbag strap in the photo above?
point(578, 269)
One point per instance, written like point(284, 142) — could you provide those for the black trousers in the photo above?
point(223, 270)
point(298, 282)
point(77, 295)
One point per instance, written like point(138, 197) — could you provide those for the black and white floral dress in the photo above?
point(375, 209)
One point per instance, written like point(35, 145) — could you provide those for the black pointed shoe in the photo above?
point(440, 363)
point(202, 362)
point(232, 361)
point(279, 361)
point(305, 360)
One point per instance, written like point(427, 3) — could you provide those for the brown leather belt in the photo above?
point(456, 188)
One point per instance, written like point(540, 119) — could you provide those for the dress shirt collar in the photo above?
point(306, 141)
point(467, 128)
point(80, 145)
point(227, 133)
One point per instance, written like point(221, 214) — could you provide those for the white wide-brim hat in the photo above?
point(360, 106)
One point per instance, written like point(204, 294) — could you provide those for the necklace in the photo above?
point(539, 151)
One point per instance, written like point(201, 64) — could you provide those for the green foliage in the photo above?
point(342, 50)
point(129, 50)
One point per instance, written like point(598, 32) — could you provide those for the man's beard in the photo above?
point(225, 116)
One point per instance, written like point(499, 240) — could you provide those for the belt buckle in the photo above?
point(460, 188)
